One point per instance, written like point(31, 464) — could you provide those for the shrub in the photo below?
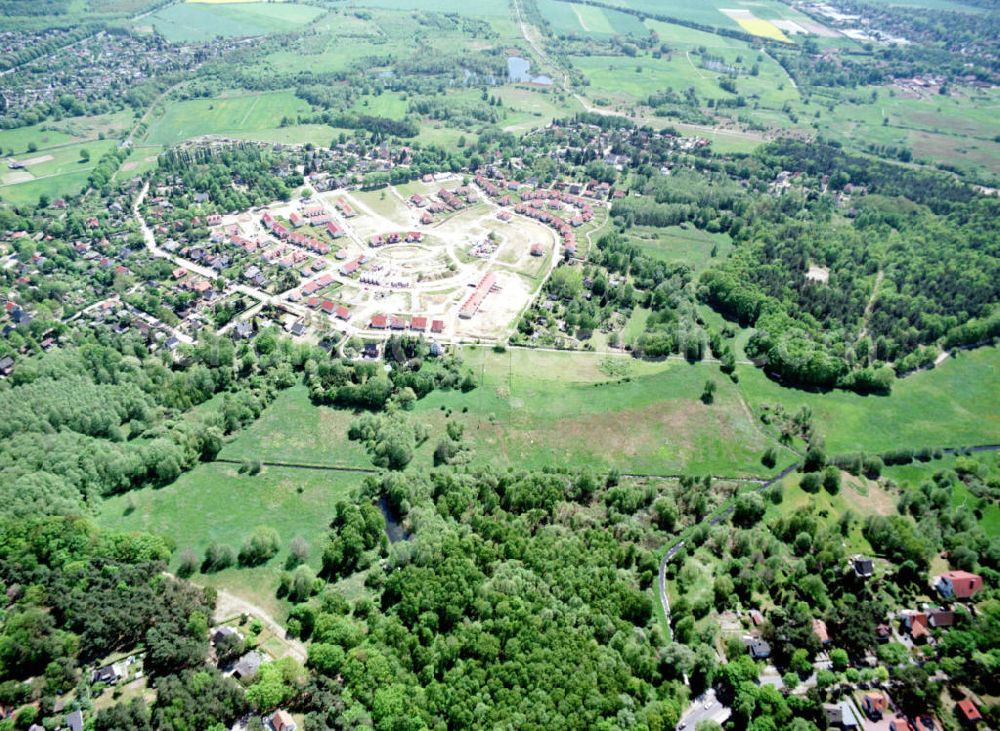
point(259, 547)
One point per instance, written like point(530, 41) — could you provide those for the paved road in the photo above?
point(705, 707)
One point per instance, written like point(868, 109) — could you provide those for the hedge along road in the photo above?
point(727, 509)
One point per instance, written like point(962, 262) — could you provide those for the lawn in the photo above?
point(187, 22)
point(215, 503)
point(237, 115)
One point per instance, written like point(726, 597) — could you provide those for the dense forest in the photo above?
point(499, 610)
point(910, 261)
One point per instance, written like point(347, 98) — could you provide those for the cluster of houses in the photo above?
point(541, 204)
point(281, 232)
point(446, 201)
point(874, 709)
point(472, 303)
point(396, 237)
point(417, 323)
point(104, 65)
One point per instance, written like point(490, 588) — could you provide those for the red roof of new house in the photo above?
point(328, 307)
point(969, 710)
point(965, 584)
point(379, 321)
point(419, 322)
point(437, 326)
point(343, 313)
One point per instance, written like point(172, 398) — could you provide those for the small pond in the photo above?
point(518, 69)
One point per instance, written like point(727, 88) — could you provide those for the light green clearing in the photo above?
point(955, 404)
point(690, 246)
point(186, 22)
point(242, 115)
point(293, 430)
point(213, 503)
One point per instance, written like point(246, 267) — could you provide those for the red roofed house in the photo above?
point(397, 323)
point(916, 623)
point(819, 629)
point(419, 322)
point(899, 724)
point(379, 322)
point(282, 721)
point(874, 704)
point(328, 307)
point(343, 313)
point(958, 584)
point(437, 326)
point(968, 712)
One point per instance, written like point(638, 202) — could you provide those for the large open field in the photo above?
point(254, 116)
point(198, 22)
point(627, 80)
point(956, 404)
point(213, 503)
point(579, 19)
point(536, 408)
point(55, 167)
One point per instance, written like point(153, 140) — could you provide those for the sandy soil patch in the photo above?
point(818, 274)
point(18, 176)
point(36, 160)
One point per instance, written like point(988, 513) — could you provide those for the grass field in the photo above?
point(199, 22)
point(54, 171)
point(630, 79)
point(293, 430)
point(691, 246)
point(215, 503)
point(959, 129)
point(239, 115)
point(578, 19)
point(956, 404)
point(537, 408)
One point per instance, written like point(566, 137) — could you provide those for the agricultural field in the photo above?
point(587, 20)
point(199, 22)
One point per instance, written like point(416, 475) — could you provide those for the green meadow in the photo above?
point(214, 503)
point(199, 22)
point(238, 115)
point(956, 404)
point(634, 79)
point(293, 430)
point(688, 245)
